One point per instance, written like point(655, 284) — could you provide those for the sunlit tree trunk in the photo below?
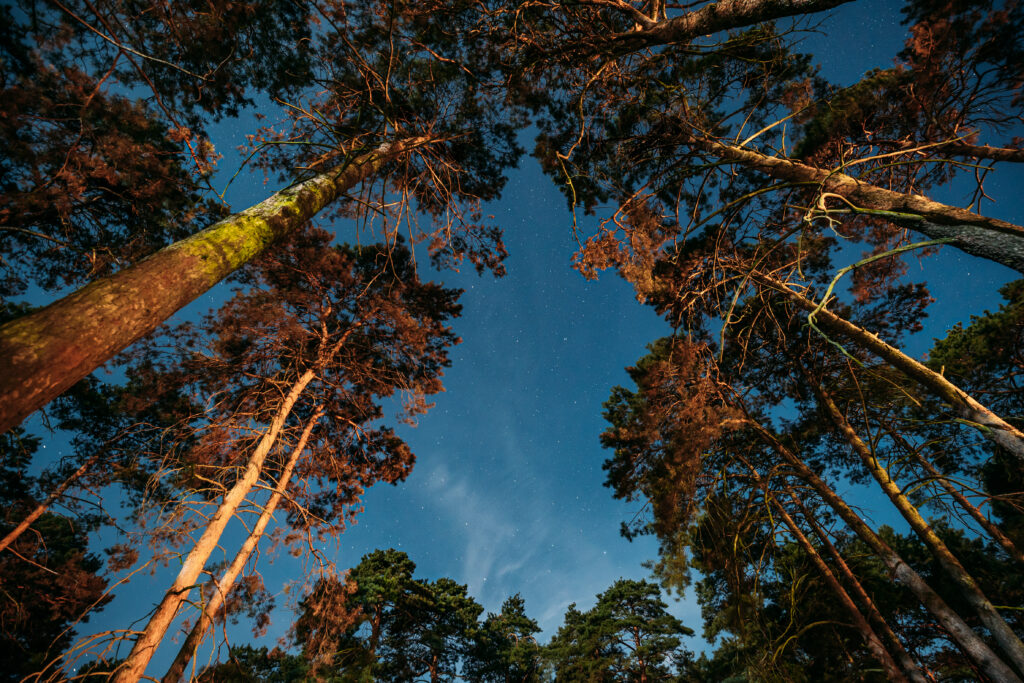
point(910, 667)
point(40, 509)
point(219, 590)
point(714, 17)
point(988, 238)
point(134, 666)
point(972, 645)
point(1001, 631)
point(990, 424)
point(43, 353)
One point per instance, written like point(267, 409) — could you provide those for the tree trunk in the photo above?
point(17, 531)
point(988, 238)
point(219, 590)
point(718, 16)
point(990, 424)
point(995, 532)
point(1001, 631)
point(962, 149)
point(973, 646)
point(43, 353)
point(871, 639)
point(910, 667)
point(133, 668)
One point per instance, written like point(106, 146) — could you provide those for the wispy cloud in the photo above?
point(494, 545)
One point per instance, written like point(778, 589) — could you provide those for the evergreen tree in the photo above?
point(628, 636)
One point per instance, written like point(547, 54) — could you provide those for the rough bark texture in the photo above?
point(988, 238)
point(990, 424)
point(984, 152)
point(220, 589)
point(972, 646)
point(1001, 631)
point(134, 666)
point(719, 16)
point(42, 354)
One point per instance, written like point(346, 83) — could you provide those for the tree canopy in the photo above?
point(843, 505)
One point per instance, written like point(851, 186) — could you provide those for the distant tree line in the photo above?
point(379, 623)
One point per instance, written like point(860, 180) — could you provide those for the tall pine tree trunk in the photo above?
point(43, 353)
point(972, 645)
point(966, 505)
point(132, 669)
point(991, 425)
point(40, 509)
point(1001, 631)
point(988, 238)
point(219, 590)
point(910, 667)
point(871, 640)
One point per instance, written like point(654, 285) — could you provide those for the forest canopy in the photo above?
point(192, 386)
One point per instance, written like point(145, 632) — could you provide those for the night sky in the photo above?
point(507, 493)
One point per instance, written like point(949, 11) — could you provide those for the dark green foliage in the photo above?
point(628, 636)
point(986, 357)
point(90, 181)
point(382, 624)
point(848, 111)
point(247, 664)
point(410, 69)
point(505, 648)
point(194, 59)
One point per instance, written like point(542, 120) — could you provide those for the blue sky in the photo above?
point(507, 492)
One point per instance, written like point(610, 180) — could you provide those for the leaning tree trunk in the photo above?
point(969, 641)
point(713, 18)
point(40, 509)
point(871, 640)
point(991, 425)
point(997, 626)
point(988, 238)
point(43, 353)
point(967, 506)
point(132, 669)
point(910, 667)
point(221, 589)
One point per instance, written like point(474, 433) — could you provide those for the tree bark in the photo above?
point(910, 667)
point(43, 353)
point(997, 626)
point(871, 639)
point(17, 531)
point(219, 590)
point(963, 149)
point(991, 425)
point(988, 238)
point(972, 645)
point(718, 16)
point(134, 666)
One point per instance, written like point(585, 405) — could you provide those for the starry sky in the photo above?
point(507, 493)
